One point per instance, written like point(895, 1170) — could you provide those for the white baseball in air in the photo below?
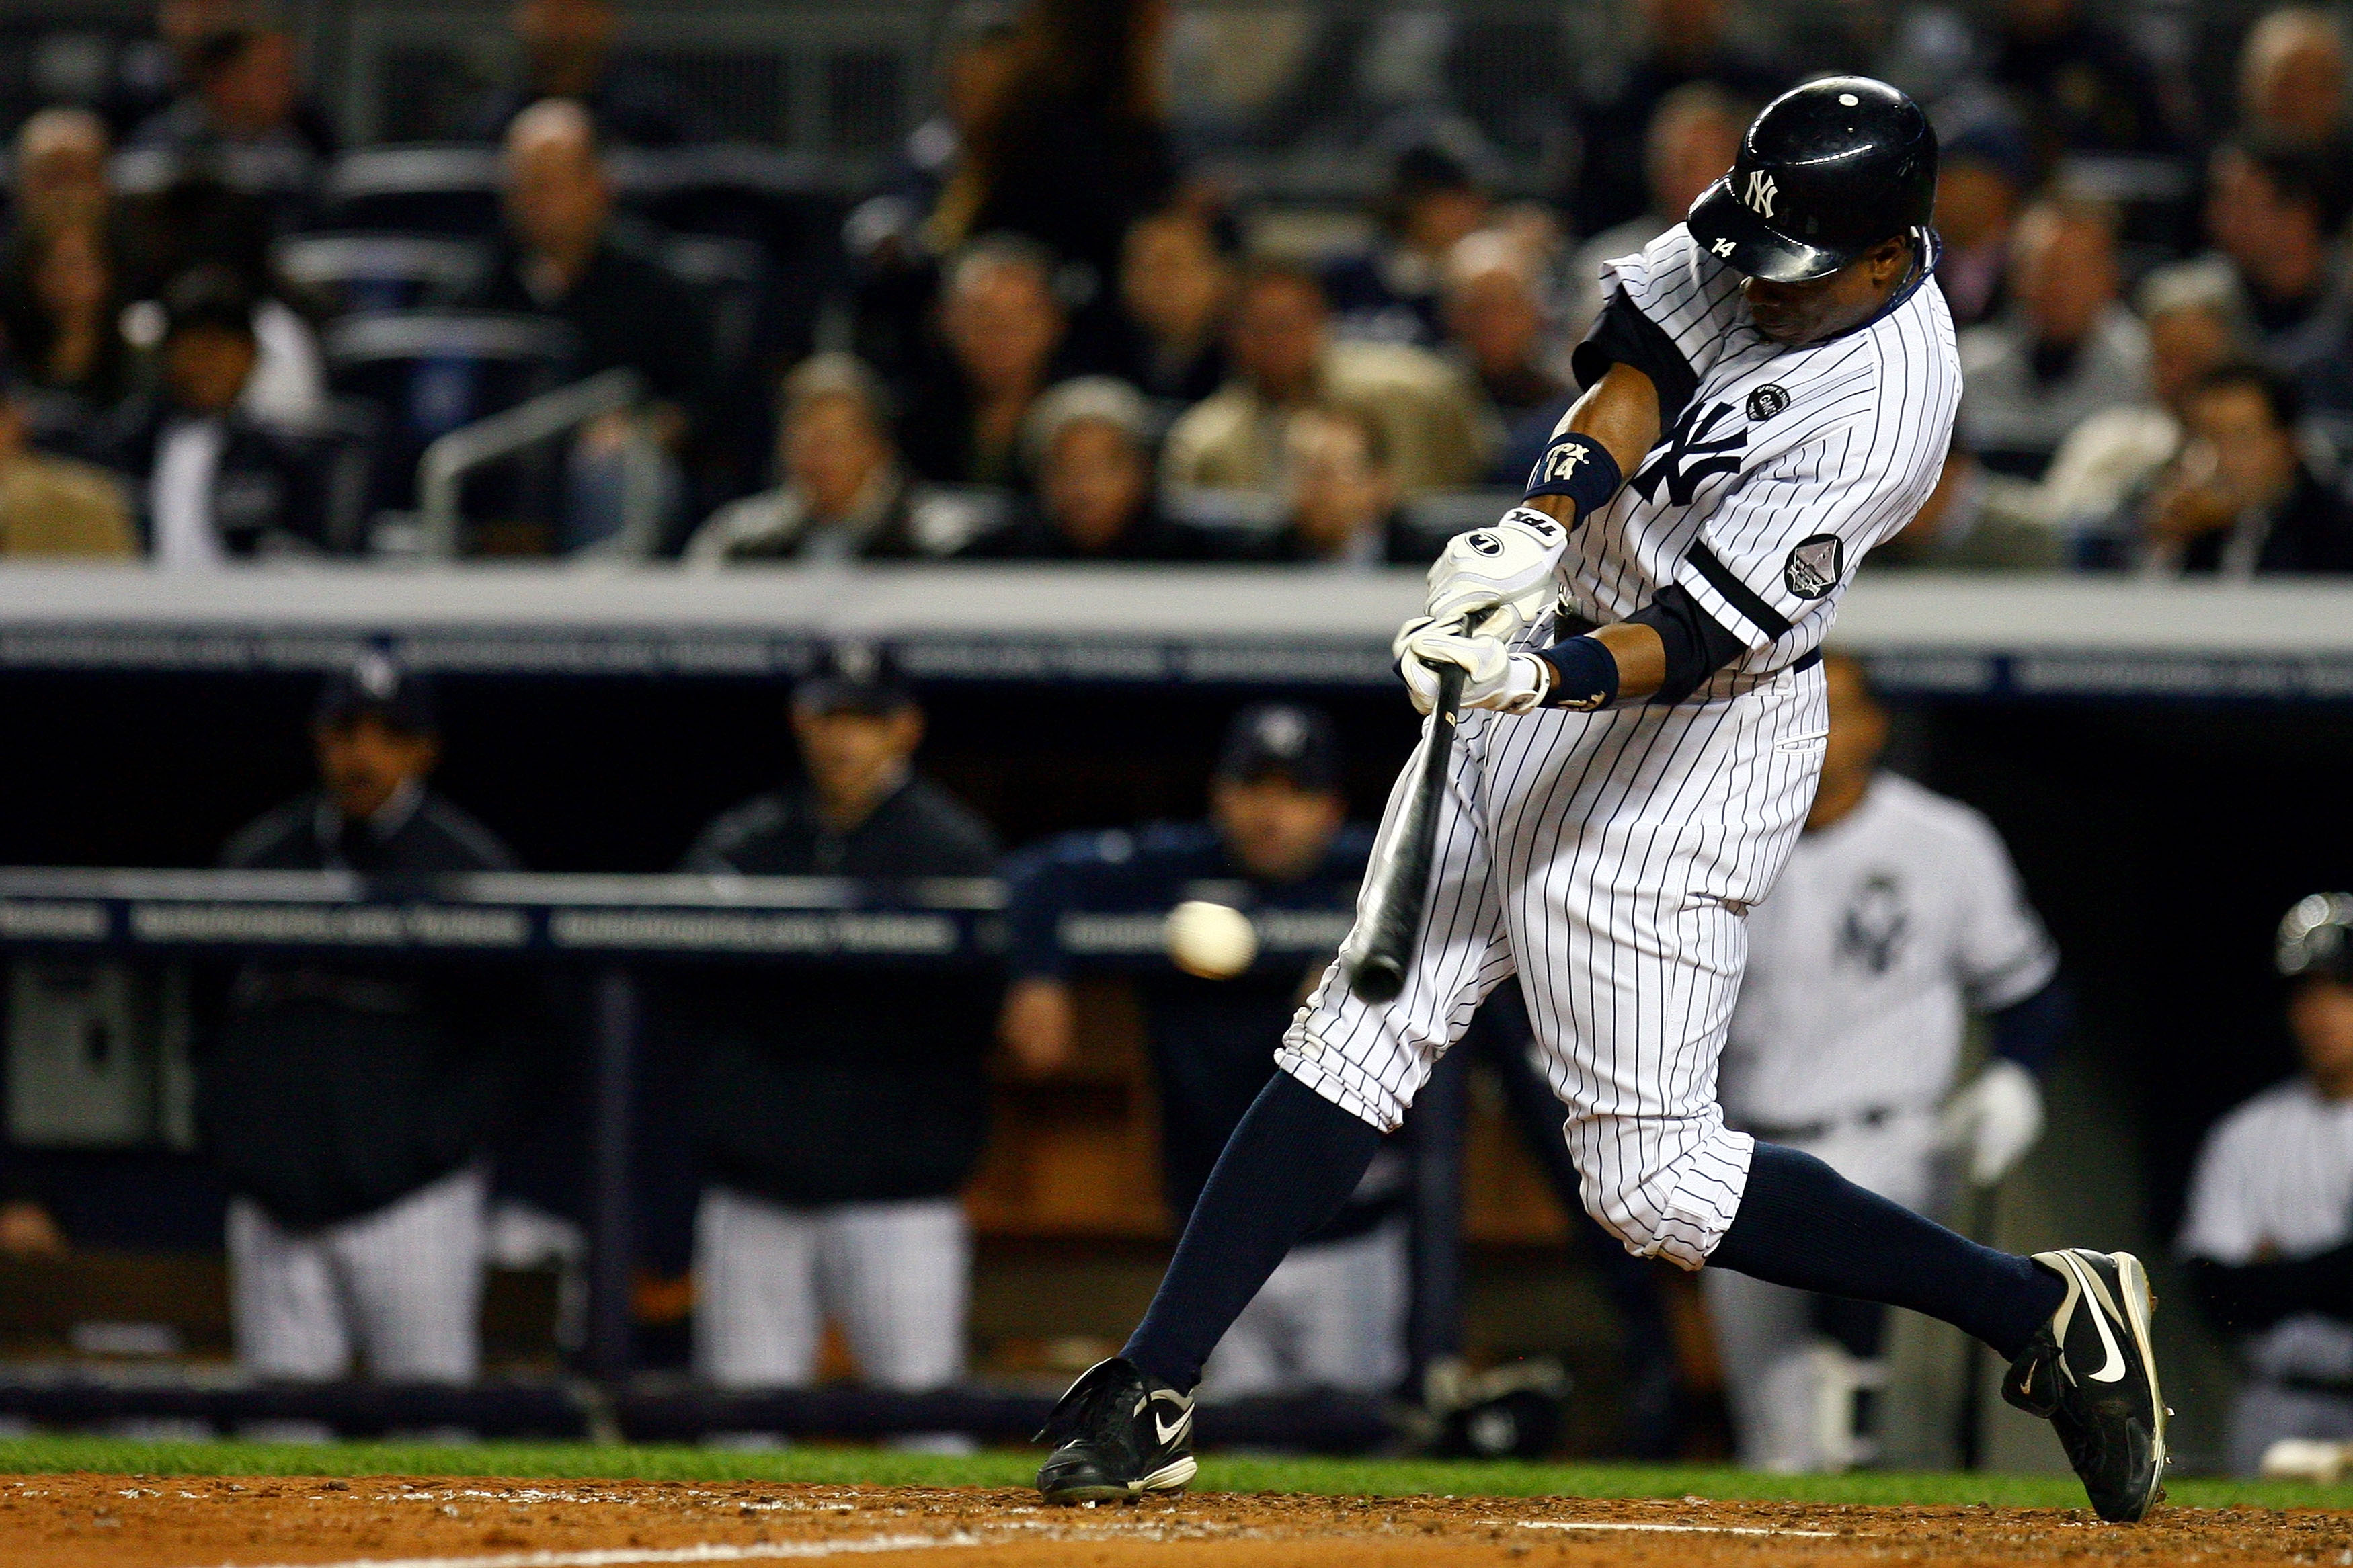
point(1211, 941)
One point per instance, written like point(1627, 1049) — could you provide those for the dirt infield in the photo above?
point(115, 1521)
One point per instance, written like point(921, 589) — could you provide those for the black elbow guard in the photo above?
point(1696, 645)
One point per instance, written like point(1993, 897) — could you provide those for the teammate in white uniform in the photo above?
point(1898, 915)
point(1644, 728)
point(2269, 1236)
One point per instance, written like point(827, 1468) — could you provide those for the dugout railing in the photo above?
point(605, 929)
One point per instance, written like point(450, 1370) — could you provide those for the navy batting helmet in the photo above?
point(1825, 173)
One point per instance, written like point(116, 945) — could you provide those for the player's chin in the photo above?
point(1790, 330)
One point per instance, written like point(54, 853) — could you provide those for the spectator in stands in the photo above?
point(2274, 213)
point(1333, 1314)
point(2265, 1241)
point(2082, 83)
point(348, 1102)
point(1683, 41)
point(1176, 290)
point(1984, 169)
point(247, 106)
point(567, 50)
point(55, 505)
point(838, 1122)
point(1342, 494)
point(1283, 360)
point(1495, 317)
point(1089, 441)
point(215, 483)
point(1693, 137)
point(1002, 326)
point(2292, 72)
point(63, 312)
point(2111, 458)
point(889, 236)
point(61, 178)
point(2240, 501)
point(563, 256)
point(2066, 349)
point(844, 496)
point(1390, 293)
point(1974, 521)
point(1073, 148)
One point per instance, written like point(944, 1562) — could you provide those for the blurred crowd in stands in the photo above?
point(1051, 334)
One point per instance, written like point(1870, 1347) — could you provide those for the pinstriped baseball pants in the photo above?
point(1610, 860)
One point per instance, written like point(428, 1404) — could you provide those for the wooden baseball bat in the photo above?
point(1378, 973)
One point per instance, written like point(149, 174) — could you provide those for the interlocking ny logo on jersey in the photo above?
point(1762, 190)
point(1876, 924)
point(1692, 452)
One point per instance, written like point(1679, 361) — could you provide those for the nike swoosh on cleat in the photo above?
point(1167, 1432)
point(2113, 1371)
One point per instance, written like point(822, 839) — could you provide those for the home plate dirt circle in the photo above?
point(115, 1521)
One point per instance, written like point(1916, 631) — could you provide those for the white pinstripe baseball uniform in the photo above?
point(1610, 858)
point(1888, 928)
point(2274, 1181)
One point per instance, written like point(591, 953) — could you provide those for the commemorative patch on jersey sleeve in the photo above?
point(1815, 566)
point(1765, 402)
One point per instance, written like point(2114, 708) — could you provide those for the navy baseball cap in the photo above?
point(1299, 743)
point(376, 685)
point(854, 677)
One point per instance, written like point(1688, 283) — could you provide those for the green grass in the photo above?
point(1013, 1468)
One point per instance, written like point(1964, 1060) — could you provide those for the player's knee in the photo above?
point(1663, 1188)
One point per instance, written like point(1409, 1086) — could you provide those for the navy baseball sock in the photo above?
point(1804, 1225)
point(1291, 1164)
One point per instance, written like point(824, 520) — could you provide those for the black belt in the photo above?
point(2339, 1387)
point(1806, 1132)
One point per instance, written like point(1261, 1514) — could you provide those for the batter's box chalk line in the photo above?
point(618, 1556)
point(1674, 1529)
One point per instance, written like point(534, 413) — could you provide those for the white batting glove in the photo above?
point(1492, 675)
point(1994, 1121)
point(1497, 579)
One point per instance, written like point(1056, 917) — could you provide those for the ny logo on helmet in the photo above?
point(1762, 190)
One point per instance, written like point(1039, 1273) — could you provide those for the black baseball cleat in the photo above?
point(1117, 1434)
point(2091, 1372)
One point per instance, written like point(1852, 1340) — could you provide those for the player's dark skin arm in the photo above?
point(1622, 410)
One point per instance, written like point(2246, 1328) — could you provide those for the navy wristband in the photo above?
point(1579, 467)
point(1584, 674)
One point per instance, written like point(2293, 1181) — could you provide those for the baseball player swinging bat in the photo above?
point(1770, 393)
point(1378, 973)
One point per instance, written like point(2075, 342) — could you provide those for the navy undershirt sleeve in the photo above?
point(1621, 334)
point(2030, 1033)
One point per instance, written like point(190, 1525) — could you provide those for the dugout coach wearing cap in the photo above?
point(839, 1110)
point(1276, 843)
point(348, 1101)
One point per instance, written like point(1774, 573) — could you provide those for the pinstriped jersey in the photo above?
point(1777, 468)
point(2275, 1181)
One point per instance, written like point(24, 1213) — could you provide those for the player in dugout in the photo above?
point(840, 1113)
point(1277, 845)
point(2268, 1240)
point(1898, 916)
point(349, 1102)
